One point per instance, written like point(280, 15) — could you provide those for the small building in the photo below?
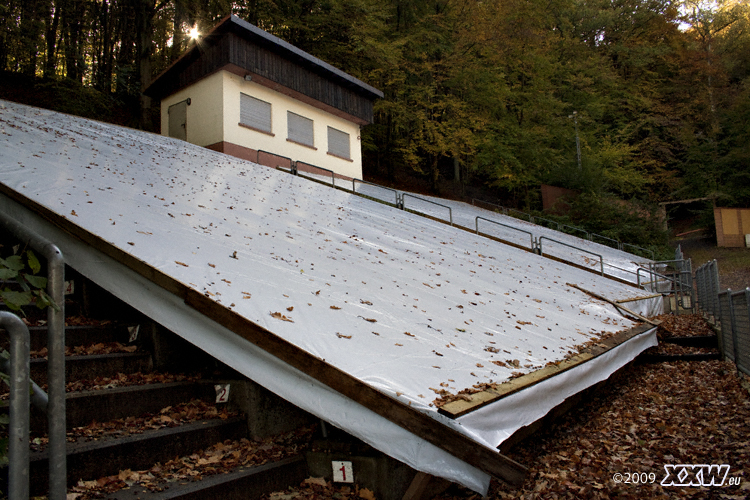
point(732, 227)
point(247, 93)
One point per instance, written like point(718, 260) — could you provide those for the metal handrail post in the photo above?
point(601, 259)
point(56, 353)
point(20, 369)
point(531, 235)
point(450, 212)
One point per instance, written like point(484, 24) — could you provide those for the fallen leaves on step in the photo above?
point(171, 416)
point(220, 458)
point(89, 350)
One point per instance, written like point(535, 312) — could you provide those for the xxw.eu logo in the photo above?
point(695, 475)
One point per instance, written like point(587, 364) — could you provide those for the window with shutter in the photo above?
point(300, 129)
point(338, 143)
point(255, 114)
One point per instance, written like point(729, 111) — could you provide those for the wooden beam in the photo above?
point(635, 299)
point(621, 308)
point(461, 407)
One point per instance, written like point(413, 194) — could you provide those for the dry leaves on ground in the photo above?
point(128, 379)
point(217, 459)
point(316, 488)
point(648, 415)
point(89, 350)
point(171, 416)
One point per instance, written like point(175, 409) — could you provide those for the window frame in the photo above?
point(257, 126)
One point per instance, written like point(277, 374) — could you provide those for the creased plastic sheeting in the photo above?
point(650, 307)
point(496, 422)
point(256, 364)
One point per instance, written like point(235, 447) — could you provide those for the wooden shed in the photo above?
point(242, 91)
point(732, 226)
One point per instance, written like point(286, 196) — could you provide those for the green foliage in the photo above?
point(629, 222)
point(660, 88)
point(22, 270)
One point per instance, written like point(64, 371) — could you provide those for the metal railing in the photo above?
point(637, 248)
point(707, 288)
point(589, 236)
point(403, 205)
point(55, 357)
point(313, 169)
point(729, 311)
point(541, 251)
point(272, 163)
point(397, 198)
point(399, 202)
point(20, 369)
point(531, 236)
point(607, 241)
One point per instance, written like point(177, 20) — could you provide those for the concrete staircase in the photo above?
point(100, 410)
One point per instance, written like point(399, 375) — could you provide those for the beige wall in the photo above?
point(233, 85)
point(213, 117)
point(204, 121)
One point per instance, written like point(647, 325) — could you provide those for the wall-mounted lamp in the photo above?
point(248, 78)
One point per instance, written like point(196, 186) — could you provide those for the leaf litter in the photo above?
point(645, 416)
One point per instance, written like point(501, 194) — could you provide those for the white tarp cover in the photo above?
point(406, 305)
point(569, 247)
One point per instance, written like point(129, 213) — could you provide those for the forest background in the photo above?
point(629, 102)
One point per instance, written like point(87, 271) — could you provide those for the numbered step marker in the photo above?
point(133, 331)
point(342, 472)
point(222, 393)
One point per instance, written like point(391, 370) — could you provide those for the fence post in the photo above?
point(18, 441)
point(742, 352)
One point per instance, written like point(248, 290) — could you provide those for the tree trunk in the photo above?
point(52, 24)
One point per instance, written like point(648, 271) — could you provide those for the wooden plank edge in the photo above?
point(623, 310)
point(636, 299)
point(457, 444)
point(414, 421)
point(456, 409)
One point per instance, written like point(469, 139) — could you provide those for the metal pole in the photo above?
point(18, 447)
point(58, 483)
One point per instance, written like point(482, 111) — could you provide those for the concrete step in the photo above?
point(82, 408)
point(241, 484)
point(97, 365)
point(704, 341)
point(107, 456)
point(76, 335)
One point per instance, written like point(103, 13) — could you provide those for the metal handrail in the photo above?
point(450, 212)
point(333, 174)
point(509, 210)
point(548, 220)
point(619, 268)
point(56, 353)
point(589, 236)
point(20, 369)
point(594, 235)
point(653, 255)
point(601, 259)
point(291, 162)
point(361, 181)
point(531, 236)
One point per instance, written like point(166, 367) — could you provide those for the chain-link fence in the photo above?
point(729, 311)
